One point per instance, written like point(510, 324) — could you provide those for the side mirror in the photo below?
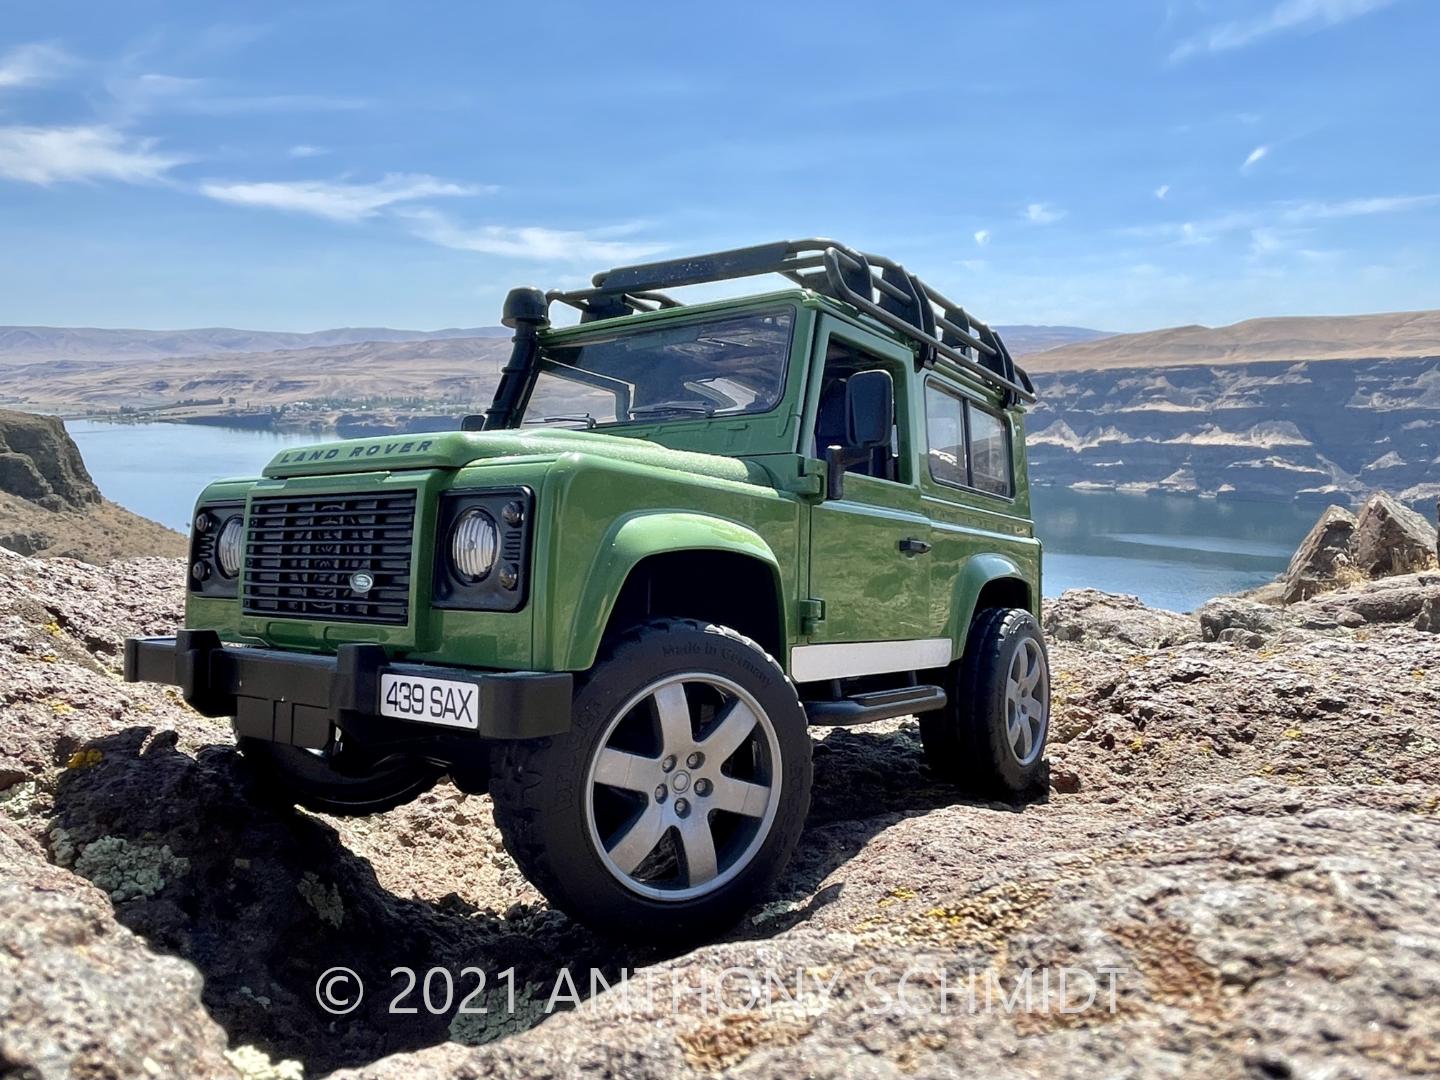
point(869, 409)
point(869, 415)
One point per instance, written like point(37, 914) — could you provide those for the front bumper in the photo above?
point(296, 698)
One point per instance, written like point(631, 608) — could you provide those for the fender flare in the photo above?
point(638, 536)
point(978, 572)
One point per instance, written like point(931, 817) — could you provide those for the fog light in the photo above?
point(474, 544)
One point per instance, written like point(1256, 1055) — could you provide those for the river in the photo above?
point(1171, 551)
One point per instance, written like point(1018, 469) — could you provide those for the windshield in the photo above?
point(720, 367)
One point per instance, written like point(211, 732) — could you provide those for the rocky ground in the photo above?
point(1243, 832)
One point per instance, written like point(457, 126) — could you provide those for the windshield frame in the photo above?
point(677, 318)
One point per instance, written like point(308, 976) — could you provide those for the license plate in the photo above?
point(430, 701)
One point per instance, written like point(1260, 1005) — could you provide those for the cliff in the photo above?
point(1315, 430)
point(50, 506)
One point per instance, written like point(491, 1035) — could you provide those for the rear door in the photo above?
point(868, 561)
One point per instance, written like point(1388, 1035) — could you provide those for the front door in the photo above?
point(867, 549)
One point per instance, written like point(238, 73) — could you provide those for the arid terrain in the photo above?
point(1242, 829)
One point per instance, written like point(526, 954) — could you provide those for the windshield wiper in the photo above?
point(696, 408)
point(565, 418)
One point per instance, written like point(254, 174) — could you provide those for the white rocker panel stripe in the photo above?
point(812, 663)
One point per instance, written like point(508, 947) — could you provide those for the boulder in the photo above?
point(80, 995)
point(1248, 617)
point(1386, 602)
point(1101, 620)
point(1390, 538)
point(1321, 556)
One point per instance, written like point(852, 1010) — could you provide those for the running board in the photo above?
point(876, 705)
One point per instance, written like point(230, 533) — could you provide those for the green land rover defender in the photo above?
point(680, 535)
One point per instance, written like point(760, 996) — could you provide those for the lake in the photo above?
point(1171, 551)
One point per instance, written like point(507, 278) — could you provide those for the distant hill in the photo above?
point(1307, 337)
point(1024, 340)
point(456, 369)
point(36, 344)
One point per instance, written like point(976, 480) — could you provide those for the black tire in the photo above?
point(548, 813)
point(968, 742)
point(365, 786)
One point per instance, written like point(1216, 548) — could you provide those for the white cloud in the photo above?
point(1039, 213)
point(37, 155)
point(1265, 241)
point(1162, 191)
point(335, 200)
point(26, 65)
point(982, 237)
point(531, 242)
point(1255, 156)
point(305, 150)
point(1289, 15)
point(156, 92)
point(1346, 208)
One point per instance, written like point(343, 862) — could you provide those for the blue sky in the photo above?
point(1125, 165)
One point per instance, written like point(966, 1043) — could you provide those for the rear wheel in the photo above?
point(339, 780)
point(991, 736)
point(678, 795)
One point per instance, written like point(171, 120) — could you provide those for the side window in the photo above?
point(841, 361)
point(989, 452)
point(945, 435)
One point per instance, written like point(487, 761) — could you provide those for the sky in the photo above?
point(1124, 165)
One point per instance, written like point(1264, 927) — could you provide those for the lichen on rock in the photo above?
point(129, 871)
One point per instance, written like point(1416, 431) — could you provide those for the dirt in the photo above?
point(1241, 838)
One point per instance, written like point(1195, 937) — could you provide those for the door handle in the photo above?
point(912, 546)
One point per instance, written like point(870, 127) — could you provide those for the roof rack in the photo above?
point(876, 286)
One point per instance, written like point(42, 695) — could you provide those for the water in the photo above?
point(1171, 551)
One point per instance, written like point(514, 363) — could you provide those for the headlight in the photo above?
point(474, 544)
point(230, 546)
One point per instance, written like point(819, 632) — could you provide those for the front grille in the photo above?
point(300, 554)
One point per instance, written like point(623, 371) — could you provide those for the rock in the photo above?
point(41, 464)
point(1109, 620)
point(1235, 635)
point(1390, 538)
point(82, 996)
point(1387, 601)
point(1227, 613)
point(1429, 617)
point(1321, 556)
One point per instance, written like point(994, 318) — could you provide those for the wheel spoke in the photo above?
point(699, 847)
point(674, 712)
point(629, 771)
point(732, 730)
point(1027, 738)
point(739, 797)
point(1032, 671)
point(639, 839)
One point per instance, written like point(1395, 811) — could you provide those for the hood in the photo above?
point(457, 449)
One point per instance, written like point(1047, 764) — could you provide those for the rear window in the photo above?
point(969, 445)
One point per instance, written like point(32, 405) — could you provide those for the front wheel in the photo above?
point(677, 796)
point(339, 780)
point(991, 736)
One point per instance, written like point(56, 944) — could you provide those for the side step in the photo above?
point(876, 705)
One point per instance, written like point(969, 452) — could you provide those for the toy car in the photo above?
point(681, 535)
